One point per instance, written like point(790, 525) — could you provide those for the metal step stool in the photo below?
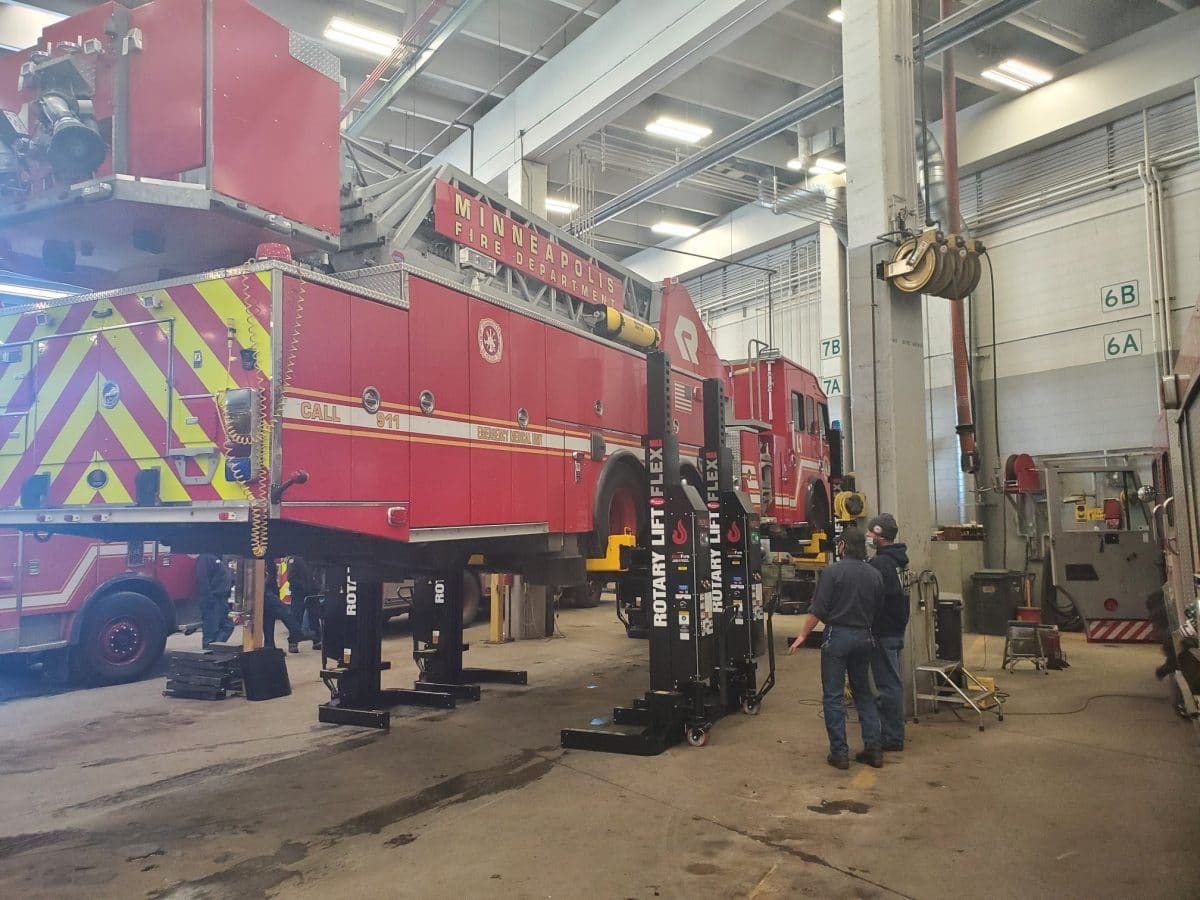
point(944, 688)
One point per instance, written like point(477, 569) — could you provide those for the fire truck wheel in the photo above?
point(585, 596)
point(816, 505)
point(620, 505)
point(123, 635)
point(472, 598)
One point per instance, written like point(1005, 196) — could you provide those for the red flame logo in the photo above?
point(680, 534)
point(734, 534)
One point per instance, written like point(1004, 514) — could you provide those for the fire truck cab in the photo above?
point(101, 612)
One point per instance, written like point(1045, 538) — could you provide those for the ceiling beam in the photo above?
point(625, 56)
point(948, 33)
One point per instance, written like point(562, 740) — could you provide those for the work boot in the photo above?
point(838, 762)
point(872, 758)
point(293, 647)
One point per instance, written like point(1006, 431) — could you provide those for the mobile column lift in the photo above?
point(702, 646)
point(356, 634)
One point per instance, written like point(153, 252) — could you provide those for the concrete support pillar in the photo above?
point(532, 611)
point(887, 372)
point(835, 358)
point(527, 185)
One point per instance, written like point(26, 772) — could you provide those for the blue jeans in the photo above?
point(885, 666)
point(847, 651)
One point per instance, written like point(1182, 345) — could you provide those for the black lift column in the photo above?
point(355, 623)
point(743, 629)
point(677, 603)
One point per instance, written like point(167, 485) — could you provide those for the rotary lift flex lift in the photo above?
point(354, 631)
point(696, 592)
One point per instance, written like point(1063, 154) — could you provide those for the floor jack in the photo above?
point(673, 590)
point(355, 631)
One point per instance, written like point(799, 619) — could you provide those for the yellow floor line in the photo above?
point(864, 780)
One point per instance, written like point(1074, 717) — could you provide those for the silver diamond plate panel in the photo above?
point(391, 280)
point(315, 56)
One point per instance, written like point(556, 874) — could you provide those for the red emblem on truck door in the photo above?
point(491, 340)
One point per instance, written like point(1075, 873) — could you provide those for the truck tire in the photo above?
point(472, 598)
point(620, 503)
point(816, 506)
point(581, 596)
point(122, 637)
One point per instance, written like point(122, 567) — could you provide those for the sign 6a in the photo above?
point(1123, 343)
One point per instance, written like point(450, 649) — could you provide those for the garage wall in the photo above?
point(1057, 391)
point(732, 301)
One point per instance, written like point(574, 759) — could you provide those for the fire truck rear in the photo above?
point(410, 370)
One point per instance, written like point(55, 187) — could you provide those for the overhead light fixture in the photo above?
point(674, 229)
point(822, 166)
point(360, 37)
point(558, 205)
point(32, 293)
point(837, 15)
point(1024, 71)
point(678, 130)
point(1018, 75)
point(797, 164)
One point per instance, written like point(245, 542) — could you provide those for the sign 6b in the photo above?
point(1119, 296)
point(1123, 343)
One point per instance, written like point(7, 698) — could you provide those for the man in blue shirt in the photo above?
point(847, 599)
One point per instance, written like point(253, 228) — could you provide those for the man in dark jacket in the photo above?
point(214, 582)
point(890, 560)
point(847, 599)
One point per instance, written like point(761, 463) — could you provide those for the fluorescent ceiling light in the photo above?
point(796, 164)
point(1018, 75)
point(823, 166)
point(674, 229)
point(360, 37)
point(677, 129)
point(836, 14)
point(1023, 71)
point(1007, 80)
point(33, 293)
point(556, 205)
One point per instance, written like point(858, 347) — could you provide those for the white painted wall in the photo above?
point(1057, 392)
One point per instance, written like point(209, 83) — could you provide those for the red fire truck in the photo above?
point(100, 611)
point(434, 374)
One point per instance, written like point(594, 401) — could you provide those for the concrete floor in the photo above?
point(120, 792)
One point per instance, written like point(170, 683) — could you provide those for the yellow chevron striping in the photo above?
point(227, 304)
point(68, 436)
point(138, 446)
point(112, 492)
point(150, 376)
point(49, 393)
